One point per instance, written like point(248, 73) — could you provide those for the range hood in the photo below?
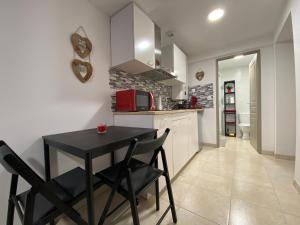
point(160, 73)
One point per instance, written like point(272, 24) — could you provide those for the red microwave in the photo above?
point(134, 100)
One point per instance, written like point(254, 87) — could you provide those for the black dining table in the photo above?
point(88, 144)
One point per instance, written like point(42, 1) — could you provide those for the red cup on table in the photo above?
point(101, 128)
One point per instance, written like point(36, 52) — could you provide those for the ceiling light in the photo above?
point(216, 15)
point(144, 45)
point(239, 57)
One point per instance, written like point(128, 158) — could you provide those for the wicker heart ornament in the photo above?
point(82, 70)
point(81, 45)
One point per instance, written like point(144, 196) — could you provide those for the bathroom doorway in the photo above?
point(238, 98)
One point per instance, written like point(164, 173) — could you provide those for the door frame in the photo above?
point(259, 132)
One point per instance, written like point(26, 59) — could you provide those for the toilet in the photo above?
point(244, 125)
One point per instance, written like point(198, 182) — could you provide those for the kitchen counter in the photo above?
point(159, 112)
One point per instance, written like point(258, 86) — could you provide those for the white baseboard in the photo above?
point(210, 145)
point(266, 152)
point(297, 186)
point(278, 156)
point(286, 157)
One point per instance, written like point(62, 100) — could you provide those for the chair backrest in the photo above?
point(15, 165)
point(5, 151)
point(142, 147)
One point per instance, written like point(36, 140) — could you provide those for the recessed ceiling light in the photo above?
point(144, 45)
point(216, 14)
point(239, 57)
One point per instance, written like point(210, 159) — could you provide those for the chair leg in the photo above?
point(157, 189)
point(132, 200)
point(169, 187)
point(171, 199)
point(11, 204)
point(10, 212)
point(107, 206)
point(157, 195)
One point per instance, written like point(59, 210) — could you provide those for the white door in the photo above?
point(193, 134)
point(180, 144)
point(255, 134)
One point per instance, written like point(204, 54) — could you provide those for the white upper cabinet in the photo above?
point(132, 40)
point(180, 67)
point(180, 92)
point(174, 60)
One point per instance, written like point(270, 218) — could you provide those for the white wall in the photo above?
point(293, 7)
point(268, 97)
point(208, 117)
point(285, 100)
point(242, 84)
point(39, 94)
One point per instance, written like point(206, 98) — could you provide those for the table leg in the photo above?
point(47, 167)
point(90, 188)
point(157, 189)
point(157, 182)
point(47, 162)
point(112, 155)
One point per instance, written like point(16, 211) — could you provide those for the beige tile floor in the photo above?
point(232, 185)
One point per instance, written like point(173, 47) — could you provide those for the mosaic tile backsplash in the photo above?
point(204, 93)
point(119, 81)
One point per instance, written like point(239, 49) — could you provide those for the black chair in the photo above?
point(131, 177)
point(45, 201)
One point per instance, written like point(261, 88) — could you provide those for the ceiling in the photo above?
point(286, 34)
point(245, 21)
point(234, 63)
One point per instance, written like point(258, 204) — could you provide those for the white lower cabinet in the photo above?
point(182, 142)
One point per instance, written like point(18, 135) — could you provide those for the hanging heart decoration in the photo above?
point(199, 75)
point(82, 46)
point(82, 70)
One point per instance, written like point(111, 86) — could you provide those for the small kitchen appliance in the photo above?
point(134, 100)
point(159, 105)
point(194, 102)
